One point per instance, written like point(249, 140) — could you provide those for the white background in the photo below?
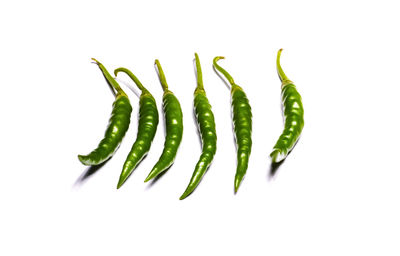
point(336, 194)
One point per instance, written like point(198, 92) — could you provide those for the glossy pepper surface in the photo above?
point(174, 127)
point(242, 122)
point(117, 126)
point(293, 113)
point(206, 125)
point(148, 121)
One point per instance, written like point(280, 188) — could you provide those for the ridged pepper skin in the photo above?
point(117, 126)
point(174, 128)
point(206, 125)
point(242, 122)
point(294, 116)
point(148, 122)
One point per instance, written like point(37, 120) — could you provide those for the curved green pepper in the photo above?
point(206, 124)
point(174, 128)
point(242, 122)
point(148, 121)
point(294, 116)
point(117, 126)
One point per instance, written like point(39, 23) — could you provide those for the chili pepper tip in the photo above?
point(120, 183)
point(185, 194)
point(238, 181)
point(276, 156)
point(80, 157)
point(237, 184)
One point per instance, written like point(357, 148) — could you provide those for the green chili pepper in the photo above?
point(117, 126)
point(293, 113)
point(242, 124)
point(148, 121)
point(206, 124)
point(174, 127)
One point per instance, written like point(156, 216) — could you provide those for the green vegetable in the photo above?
point(117, 127)
point(206, 124)
point(174, 128)
point(294, 116)
point(242, 125)
point(148, 121)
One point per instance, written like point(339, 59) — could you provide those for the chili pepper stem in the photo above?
point(161, 75)
point(282, 76)
point(199, 74)
point(120, 81)
point(132, 76)
point(223, 71)
point(109, 78)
